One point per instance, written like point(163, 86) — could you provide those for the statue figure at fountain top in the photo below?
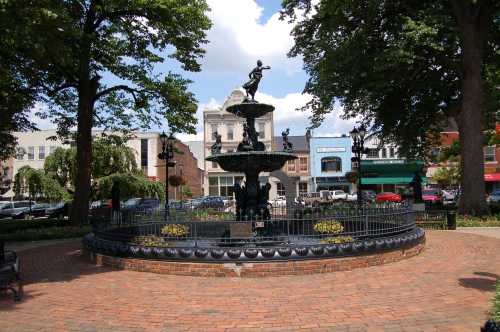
point(287, 146)
point(255, 76)
point(217, 146)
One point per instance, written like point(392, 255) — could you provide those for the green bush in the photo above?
point(49, 233)
point(496, 304)
point(8, 226)
point(469, 221)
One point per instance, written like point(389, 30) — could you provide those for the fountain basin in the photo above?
point(250, 109)
point(256, 161)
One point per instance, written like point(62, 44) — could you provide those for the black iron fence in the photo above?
point(209, 227)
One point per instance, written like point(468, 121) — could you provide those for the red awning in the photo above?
point(492, 177)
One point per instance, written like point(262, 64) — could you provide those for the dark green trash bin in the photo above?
point(451, 220)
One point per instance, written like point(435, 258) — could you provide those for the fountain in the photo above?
point(251, 157)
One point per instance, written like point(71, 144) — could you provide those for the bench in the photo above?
point(9, 272)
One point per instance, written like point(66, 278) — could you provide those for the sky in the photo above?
point(244, 31)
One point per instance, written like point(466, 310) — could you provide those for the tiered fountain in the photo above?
point(251, 157)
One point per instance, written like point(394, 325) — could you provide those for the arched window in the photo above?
point(331, 164)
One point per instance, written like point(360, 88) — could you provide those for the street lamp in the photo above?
point(167, 154)
point(358, 138)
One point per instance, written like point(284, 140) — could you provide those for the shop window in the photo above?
point(280, 189)
point(302, 188)
point(303, 164)
point(331, 164)
point(384, 153)
point(372, 153)
point(489, 154)
point(230, 132)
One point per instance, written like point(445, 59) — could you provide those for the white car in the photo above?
point(352, 197)
point(338, 195)
point(279, 201)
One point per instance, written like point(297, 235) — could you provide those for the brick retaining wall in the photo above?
point(258, 269)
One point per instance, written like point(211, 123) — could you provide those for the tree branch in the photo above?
point(126, 88)
point(60, 88)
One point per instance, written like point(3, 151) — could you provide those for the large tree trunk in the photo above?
point(472, 22)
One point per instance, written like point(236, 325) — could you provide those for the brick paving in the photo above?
point(446, 288)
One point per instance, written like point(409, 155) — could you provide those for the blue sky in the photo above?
point(244, 31)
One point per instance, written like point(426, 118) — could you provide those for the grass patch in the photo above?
point(48, 233)
point(468, 221)
point(496, 304)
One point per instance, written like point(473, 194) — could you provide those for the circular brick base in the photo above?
point(257, 269)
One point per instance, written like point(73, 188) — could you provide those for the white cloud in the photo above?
point(238, 39)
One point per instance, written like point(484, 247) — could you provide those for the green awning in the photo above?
point(404, 180)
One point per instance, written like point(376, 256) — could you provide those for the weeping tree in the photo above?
point(96, 65)
point(406, 66)
point(131, 185)
point(38, 186)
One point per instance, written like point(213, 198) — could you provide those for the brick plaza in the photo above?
point(448, 287)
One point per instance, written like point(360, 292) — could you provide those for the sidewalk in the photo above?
point(486, 231)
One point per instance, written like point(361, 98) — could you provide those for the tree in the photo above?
point(447, 175)
point(407, 65)
point(131, 185)
point(81, 47)
point(38, 185)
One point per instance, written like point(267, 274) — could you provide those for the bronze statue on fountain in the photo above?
point(251, 156)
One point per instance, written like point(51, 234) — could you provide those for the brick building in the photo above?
point(186, 165)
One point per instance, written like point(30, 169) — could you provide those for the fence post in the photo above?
point(451, 220)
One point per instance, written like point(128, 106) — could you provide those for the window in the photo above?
point(372, 153)
point(20, 153)
point(384, 153)
point(391, 152)
point(213, 129)
point(280, 189)
point(226, 185)
point(230, 132)
point(214, 164)
point(41, 152)
point(290, 165)
point(331, 164)
point(31, 152)
point(52, 149)
point(144, 154)
point(213, 186)
point(489, 154)
point(303, 164)
point(302, 188)
point(262, 130)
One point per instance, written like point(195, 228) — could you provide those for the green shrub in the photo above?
point(496, 304)
point(328, 227)
point(470, 221)
point(8, 226)
point(49, 233)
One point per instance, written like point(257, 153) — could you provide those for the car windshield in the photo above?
point(132, 201)
point(4, 205)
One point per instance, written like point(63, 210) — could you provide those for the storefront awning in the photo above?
point(403, 180)
point(492, 177)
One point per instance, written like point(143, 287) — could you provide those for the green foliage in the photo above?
point(9, 226)
point(36, 234)
point(131, 185)
point(186, 192)
point(451, 152)
point(336, 240)
point(471, 221)
point(61, 166)
point(109, 158)
point(447, 176)
point(38, 186)
point(496, 304)
point(328, 227)
point(175, 230)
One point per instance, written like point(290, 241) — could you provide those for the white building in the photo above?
point(230, 127)
point(35, 146)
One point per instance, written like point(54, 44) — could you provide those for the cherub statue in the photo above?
point(287, 146)
point(217, 146)
point(255, 77)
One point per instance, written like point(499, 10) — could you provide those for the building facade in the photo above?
point(330, 160)
point(298, 169)
point(218, 182)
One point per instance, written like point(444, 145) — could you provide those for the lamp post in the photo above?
point(167, 154)
point(358, 138)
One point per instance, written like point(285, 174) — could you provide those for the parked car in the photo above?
point(494, 197)
point(450, 197)
point(352, 197)
point(432, 196)
point(228, 200)
point(388, 197)
point(15, 210)
point(317, 198)
point(194, 203)
point(141, 204)
point(214, 202)
point(279, 201)
point(39, 210)
point(104, 203)
point(336, 195)
point(58, 211)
